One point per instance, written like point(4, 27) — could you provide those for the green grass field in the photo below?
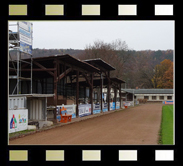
point(166, 133)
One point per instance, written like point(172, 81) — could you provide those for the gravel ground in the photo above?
point(133, 126)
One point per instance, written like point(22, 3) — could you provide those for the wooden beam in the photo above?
point(101, 68)
point(115, 96)
point(101, 87)
point(91, 93)
point(47, 69)
point(77, 93)
point(108, 90)
point(42, 67)
point(88, 81)
point(55, 88)
point(64, 74)
point(107, 75)
point(74, 67)
point(24, 65)
point(120, 94)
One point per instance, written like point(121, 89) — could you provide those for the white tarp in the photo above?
point(18, 120)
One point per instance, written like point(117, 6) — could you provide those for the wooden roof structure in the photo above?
point(44, 66)
point(101, 64)
point(60, 66)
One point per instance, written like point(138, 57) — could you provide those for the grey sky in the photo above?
point(138, 35)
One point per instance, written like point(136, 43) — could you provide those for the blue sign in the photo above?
point(68, 111)
point(112, 105)
point(25, 34)
point(96, 111)
point(96, 108)
point(25, 48)
point(117, 105)
point(168, 102)
point(105, 107)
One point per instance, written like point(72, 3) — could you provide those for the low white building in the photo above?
point(149, 94)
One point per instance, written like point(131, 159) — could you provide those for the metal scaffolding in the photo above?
point(17, 60)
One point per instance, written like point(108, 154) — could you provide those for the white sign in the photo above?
point(84, 109)
point(117, 105)
point(25, 33)
point(25, 25)
point(71, 109)
point(128, 103)
point(18, 120)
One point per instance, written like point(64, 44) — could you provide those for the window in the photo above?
point(169, 97)
point(153, 97)
point(161, 97)
point(146, 97)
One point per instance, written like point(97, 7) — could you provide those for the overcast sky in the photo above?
point(138, 35)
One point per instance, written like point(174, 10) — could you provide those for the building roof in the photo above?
point(101, 64)
point(32, 95)
point(48, 63)
point(115, 79)
point(71, 60)
point(149, 91)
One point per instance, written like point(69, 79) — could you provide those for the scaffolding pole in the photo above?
point(18, 60)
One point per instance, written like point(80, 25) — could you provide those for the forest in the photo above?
point(139, 69)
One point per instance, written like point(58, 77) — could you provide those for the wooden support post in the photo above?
point(91, 93)
point(77, 93)
point(120, 94)
point(42, 86)
point(101, 87)
point(115, 94)
point(46, 86)
point(36, 85)
point(65, 82)
point(55, 88)
point(108, 91)
point(85, 94)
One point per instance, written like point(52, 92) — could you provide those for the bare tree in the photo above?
point(114, 53)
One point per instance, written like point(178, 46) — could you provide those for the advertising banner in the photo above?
point(25, 48)
point(128, 103)
point(112, 106)
point(18, 120)
point(84, 109)
point(96, 108)
point(70, 109)
point(168, 102)
point(105, 107)
point(117, 105)
point(25, 34)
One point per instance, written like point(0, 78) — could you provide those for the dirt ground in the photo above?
point(133, 126)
